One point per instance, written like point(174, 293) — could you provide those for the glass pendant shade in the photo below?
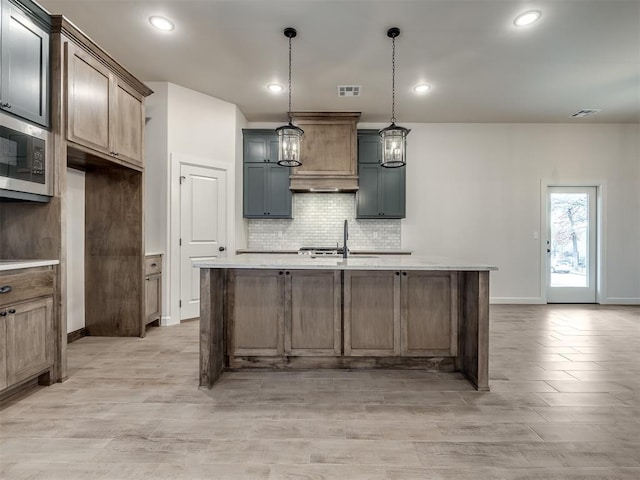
point(289, 140)
point(394, 143)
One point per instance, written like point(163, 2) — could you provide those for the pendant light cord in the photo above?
point(289, 111)
point(393, 80)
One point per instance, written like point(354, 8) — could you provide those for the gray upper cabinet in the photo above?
point(266, 184)
point(382, 191)
point(24, 81)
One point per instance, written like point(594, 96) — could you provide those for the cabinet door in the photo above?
point(369, 148)
point(273, 145)
point(153, 296)
point(255, 186)
point(25, 66)
point(256, 149)
point(256, 312)
point(278, 195)
point(429, 313)
point(29, 347)
point(371, 313)
point(127, 123)
point(88, 100)
point(368, 192)
point(3, 352)
point(312, 313)
point(392, 192)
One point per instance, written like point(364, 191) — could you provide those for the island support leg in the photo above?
point(211, 325)
point(473, 328)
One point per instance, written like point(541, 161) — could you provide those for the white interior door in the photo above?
point(571, 245)
point(202, 229)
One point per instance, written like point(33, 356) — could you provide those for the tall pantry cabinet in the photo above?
point(112, 111)
point(98, 123)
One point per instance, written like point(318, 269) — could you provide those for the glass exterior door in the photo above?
point(571, 245)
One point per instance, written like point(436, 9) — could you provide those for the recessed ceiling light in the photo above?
point(275, 88)
point(161, 23)
point(422, 88)
point(527, 18)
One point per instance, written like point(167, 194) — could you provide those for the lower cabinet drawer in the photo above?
point(17, 287)
point(153, 264)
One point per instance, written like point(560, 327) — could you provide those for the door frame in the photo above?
point(172, 263)
point(600, 260)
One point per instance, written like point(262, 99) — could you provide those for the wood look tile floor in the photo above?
point(565, 404)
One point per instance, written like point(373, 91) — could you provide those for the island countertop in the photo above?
point(355, 262)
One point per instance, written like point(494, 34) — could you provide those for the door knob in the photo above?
point(221, 249)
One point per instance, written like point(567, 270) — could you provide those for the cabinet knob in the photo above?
point(398, 273)
point(221, 249)
point(5, 105)
point(12, 310)
point(404, 274)
point(154, 264)
point(5, 289)
point(3, 314)
point(280, 273)
point(286, 273)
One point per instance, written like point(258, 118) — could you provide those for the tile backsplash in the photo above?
point(317, 222)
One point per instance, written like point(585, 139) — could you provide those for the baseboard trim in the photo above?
point(76, 335)
point(167, 322)
point(621, 301)
point(517, 300)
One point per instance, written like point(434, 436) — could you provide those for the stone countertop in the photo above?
point(356, 262)
point(6, 265)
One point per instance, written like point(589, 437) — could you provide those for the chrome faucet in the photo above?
point(345, 235)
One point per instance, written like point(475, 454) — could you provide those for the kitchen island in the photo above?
point(391, 311)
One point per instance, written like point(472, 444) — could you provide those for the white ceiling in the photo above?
point(581, 54)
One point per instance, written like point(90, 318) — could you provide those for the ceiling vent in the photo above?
point(349, 90)
point(587, 112)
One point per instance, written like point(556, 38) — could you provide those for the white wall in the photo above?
point(74, 204)
point(205, 130)
point(155, 171)
point(475, 192)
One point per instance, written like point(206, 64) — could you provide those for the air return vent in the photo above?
point(587, 112)
point(349, 90)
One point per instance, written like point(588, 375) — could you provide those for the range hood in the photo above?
point(328, 152)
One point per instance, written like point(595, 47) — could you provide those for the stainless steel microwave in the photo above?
point(25, 161)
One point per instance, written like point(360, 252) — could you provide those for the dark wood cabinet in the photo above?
point(284, 312)
point(24, 50)
point(428, 314)
point(256, 305)
point(382, 191)
point(371, 313)
point(27, 342)
point(400, 313)
point(312, 313)
point(266, 191)
point(104, 114)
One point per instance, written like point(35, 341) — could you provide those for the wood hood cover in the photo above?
point(328, 152)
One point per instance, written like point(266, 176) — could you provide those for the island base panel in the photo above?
point(473, 334)
point(212, 292)
point(435, 364)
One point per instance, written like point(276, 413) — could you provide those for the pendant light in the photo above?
point(289, 136)
point(394, 137)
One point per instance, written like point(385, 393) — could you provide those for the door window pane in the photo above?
point(569, 241)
